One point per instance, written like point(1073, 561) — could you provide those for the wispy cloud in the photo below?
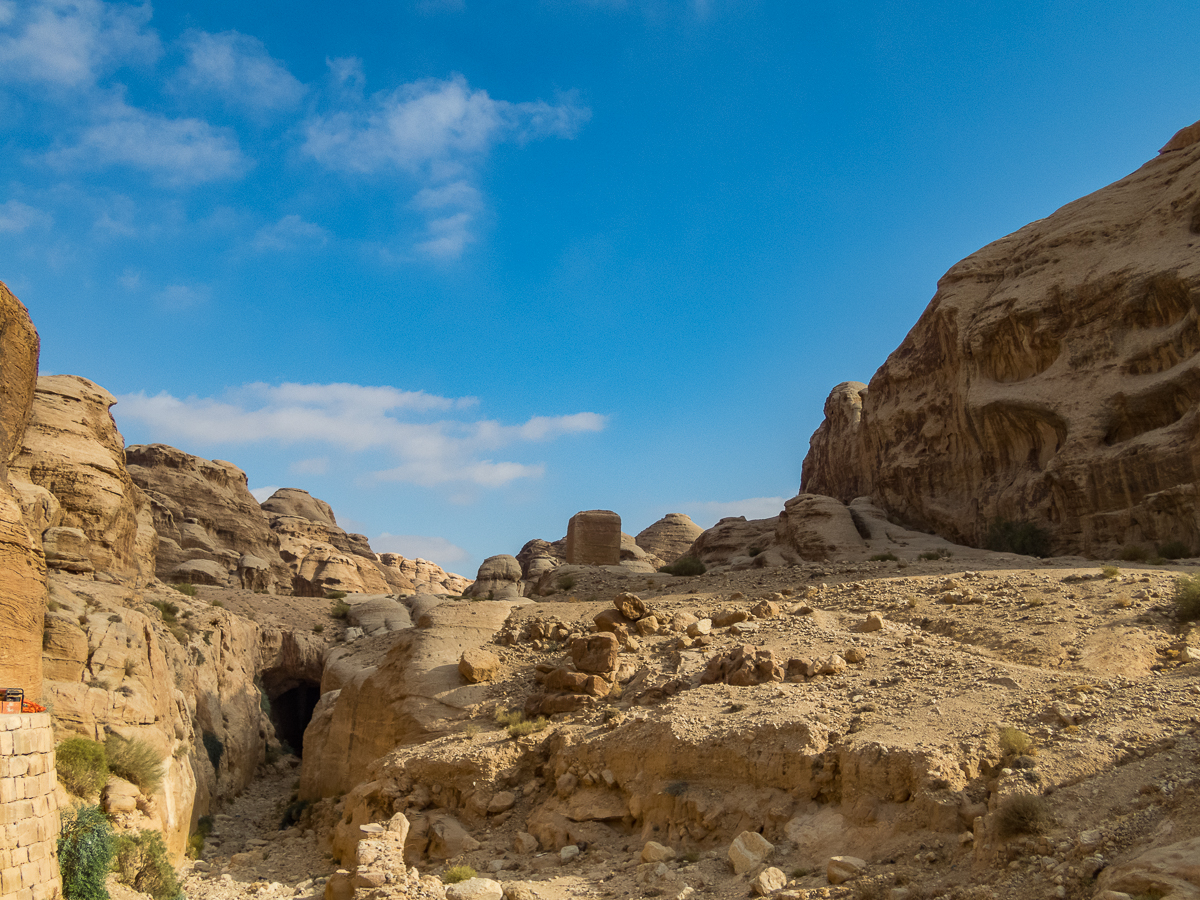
point(238, 68)
point(176, 151)
point(71, 43)
point(289, 233)
point(417, 546)
point(16, 217)
point(357, 418)
point(433, 130)
point(181, 297)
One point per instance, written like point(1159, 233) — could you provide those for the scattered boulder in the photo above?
point(499, 578)
point(748, 851)
point(841, 869)
point(596, 653)
point(768, 881)
point(475, 889)
point(478, 665)
point(630, 606)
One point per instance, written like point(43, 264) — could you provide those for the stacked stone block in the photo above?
point(28, 811)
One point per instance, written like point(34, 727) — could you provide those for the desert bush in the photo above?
point(1134, 553)
point(195, 844)
point(1022, 814)
point(292, 813)
point(143, 864)
point(1174, 550)
point(455, 874)
point(937, 554)
point(1021, 537)
point(1110, 571)
point(134, 760)
point(185, 587)
point(82, 766)
point(214, 748)
point(1015, 742)
point(168, 610)
point(340, 610)
point(318, 628)
point(884, 557)
point(335, 595)
point(566, 582)
point(516, 723)
point(85, 852)
point(685, 565)
point(1187, 597)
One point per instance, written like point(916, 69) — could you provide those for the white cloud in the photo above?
point(289, 233)
point(708, 513)
point(131, 279)
point(70, 43)
point(419, 546)
point(357, 418)
point(180, 297)
point(318, 465)
point(238, 68)
point(16, 216)
point(435, 131)
point(178, 151)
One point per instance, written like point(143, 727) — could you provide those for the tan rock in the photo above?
point(748, 851)
point(768, 881)
point(477, 665)
point(670, 537)
point(841, 869)
point(1050, 380)
point(475, 889)
point(499, 578)
point(654, 852)
point(630, 606)
point(448, 838)
point(594, 538)
point(596, 653)
point(525, 843)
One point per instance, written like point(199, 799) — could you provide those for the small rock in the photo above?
point(699, 627)
point(840, 869)
point(568, 853)
point(630, 606)
point(525, 843)
point(765, 609)
point(655, 852)
point(501, 802)
point(477, 665)
point(769, 881)
point(749, 849)
point(475, 889)
point(873, 622)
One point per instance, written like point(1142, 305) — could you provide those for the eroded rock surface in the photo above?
point(1054, 378)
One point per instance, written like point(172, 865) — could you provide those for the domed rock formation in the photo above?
point(670, 537)
point(1054, 378)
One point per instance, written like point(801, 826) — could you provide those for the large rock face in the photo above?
point(22, 567)
point(204, 513)
point(594, 538)
point(1053, 378)
point(73, 452)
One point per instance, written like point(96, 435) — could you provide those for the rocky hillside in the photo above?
point(1053, 378)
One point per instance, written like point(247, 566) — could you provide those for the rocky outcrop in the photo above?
point(96, 519)
point(324, 557)
point(594, 538)
point(416, 693)
point(22, 566)
point(498, 578)
point(1054, 378)
point(203, 510)
point(670, 537)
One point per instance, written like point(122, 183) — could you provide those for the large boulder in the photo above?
point(72, 450)
point(498, 578)
point(22, 567)
point(1053, 378)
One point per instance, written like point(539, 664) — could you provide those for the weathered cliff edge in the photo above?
point(1054, 378)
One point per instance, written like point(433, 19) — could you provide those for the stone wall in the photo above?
point(28, 811)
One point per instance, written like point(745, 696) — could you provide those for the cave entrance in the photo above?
point(292, 705)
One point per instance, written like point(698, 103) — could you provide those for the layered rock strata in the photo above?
point(1054, 378)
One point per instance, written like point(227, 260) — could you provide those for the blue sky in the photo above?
point(463, 268)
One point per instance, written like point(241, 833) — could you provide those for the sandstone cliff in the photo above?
point(210, 529)
point(1054, 378)
point(22, 566)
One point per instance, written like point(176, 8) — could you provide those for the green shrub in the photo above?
point(318, 628)
point(195, 844)
point(168, 610)
point(292, 814)
point(1110, 571)
point(516, 723)
point(1020, 537)
point(1174, 550)
point(455, 874)
point(82, 766)
point(936, 554)
point(135, 761)
point(215, 749)
point(185, 587)
point(142, 863)
point(685, 565)
point(884, 557)
point(335, 595)
point(1022, 814)
point(566, 582)
point(1134, 553)
point(340, 610)
point(1187, 597)
point(1015, 742)
point(85, 852)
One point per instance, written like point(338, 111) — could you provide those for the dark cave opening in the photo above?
point(292, 710)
